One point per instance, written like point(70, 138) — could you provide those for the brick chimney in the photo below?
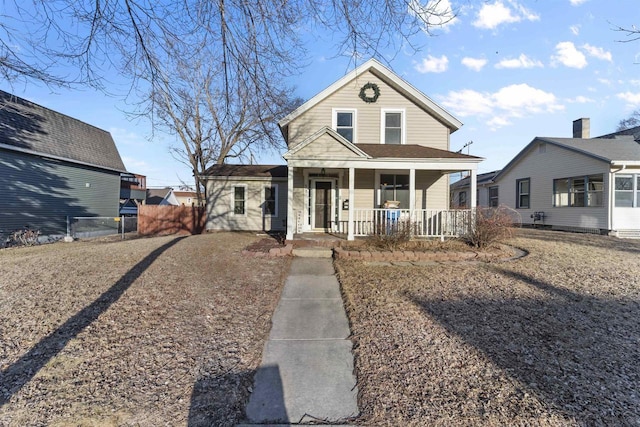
point(581, 128)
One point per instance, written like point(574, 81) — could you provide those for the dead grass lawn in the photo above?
point(157, 331)
point(550, 339)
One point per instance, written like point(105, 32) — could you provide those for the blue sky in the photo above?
point(509, 70)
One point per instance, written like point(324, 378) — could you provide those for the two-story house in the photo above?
point(367, 149)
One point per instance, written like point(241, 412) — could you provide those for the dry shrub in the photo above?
point(491, 225)
point(391, 235)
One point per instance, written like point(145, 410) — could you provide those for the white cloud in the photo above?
point(432, 64)
point(575, 29)
point(436, 13)
point(569, 56)
point(632, 99)
point(510, 102)
point(523, 61)
point(605, 81)
point(475, 64)
point(576, 2)
point(491, 15)
point(580, 100)
point(126, 137)
point(597, 52)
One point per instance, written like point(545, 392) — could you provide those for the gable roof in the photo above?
point(389, 77)
point(30, 128)
point(253, 171)
point(481, 179)
point(620, 149)
point(346, 145)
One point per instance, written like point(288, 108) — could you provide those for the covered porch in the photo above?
point(365, 200)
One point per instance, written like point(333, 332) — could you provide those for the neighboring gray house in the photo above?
point(53, 166)
point(577, 184)
point(367, 152)
point(487, 193)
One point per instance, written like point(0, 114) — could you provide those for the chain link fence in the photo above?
point(79, 227)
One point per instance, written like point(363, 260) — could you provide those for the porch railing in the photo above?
point(418, 223)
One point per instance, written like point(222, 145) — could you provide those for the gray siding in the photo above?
point(544, 164)
point(41, 193)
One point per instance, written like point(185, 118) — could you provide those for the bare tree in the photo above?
point(66, 42)
point(630, 122)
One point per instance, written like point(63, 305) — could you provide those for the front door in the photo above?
point(322, 206)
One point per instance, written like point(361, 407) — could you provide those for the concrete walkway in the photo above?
point(306, 373)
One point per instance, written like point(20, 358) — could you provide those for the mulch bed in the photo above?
point(549, 339)
point(156, 331)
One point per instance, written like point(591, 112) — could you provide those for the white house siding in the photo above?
point(625, 220)
point(421, 127)
point(220, 215)
point(542, 166)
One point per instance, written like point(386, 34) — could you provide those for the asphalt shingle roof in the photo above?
point(620, 149)
point(409, 152)
point(257, 171)
point(28, 126)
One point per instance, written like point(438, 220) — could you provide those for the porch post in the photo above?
point(412, 190)
point(472, 198)
point(291, 217)
point(352, 200)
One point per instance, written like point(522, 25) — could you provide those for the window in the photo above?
point(344, 123)
point(578, 191)
point(522, 193)
point(393, 127)
point(462, 199)
point(624, 191)
point(270, 206)
point(239, 200)
point(493, 197)
point(395, 187)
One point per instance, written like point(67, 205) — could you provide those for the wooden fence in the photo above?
point(159, 220)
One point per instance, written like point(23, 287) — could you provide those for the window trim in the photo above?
point(519, 194)
point(275, 200)
point(233, 199)
point(403, 124)
point(571, 192)
point(635, 188)
point(354, 118)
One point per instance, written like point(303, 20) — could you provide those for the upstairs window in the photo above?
point(344, 123)
point(523, 193)
point(393, 127)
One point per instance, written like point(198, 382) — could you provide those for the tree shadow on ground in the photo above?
point(577, 353)
point(16, 375)
point(222, 399)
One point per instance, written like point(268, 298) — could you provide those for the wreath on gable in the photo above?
point(363, 92)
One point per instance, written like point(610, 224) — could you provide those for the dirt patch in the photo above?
point(155, 331)
point(549, 339)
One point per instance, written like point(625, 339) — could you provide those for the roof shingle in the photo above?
point(28, 126)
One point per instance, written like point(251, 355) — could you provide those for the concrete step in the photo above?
point(313, 252)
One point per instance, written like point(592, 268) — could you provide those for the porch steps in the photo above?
point(313, 252)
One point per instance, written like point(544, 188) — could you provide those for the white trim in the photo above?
point(403, 124)
point(389, 77)
point(354, 121)
point(264, 200)
point(233, 199)
point(390, 164)
point(291, 216)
